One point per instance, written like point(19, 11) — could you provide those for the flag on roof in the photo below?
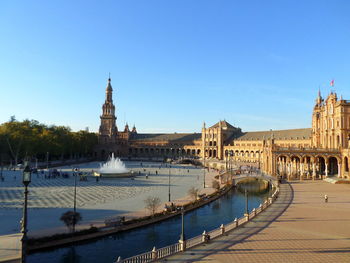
point(332, 83)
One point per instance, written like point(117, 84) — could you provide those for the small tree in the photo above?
point(152, 203)
point(193, 192)
point(70, 219)
point(215, 184)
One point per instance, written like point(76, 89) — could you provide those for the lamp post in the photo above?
point(26, 178)
point(1, 178)
point(182, 237)
point(47, 160)
point(230, 161)
point(169, 185)
point(246, 201)
point(75, 197)
point(204, 173)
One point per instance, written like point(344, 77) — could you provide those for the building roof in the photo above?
point(277, 134)
point(224, 124)
point(174, 137)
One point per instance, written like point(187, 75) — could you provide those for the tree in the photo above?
point(70, 218)
point(31, 139)
point(193, 192)
point(215, 184)
point(152, 203)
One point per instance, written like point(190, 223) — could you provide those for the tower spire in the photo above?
point(319, 97)
point(109, 90)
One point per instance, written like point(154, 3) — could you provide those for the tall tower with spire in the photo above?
point(108, 129)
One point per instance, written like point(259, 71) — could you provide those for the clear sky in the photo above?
point(173, 63)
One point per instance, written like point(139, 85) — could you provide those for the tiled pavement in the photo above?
point(298, 227)
point(9, 247)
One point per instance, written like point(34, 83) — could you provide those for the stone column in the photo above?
point(182, 245)
point(289, 168)
point(313, 169)
point(222, 229)
point(294, 169)
point(154, 253)
point(301, 170)
point(326, 168)
point(339, 170)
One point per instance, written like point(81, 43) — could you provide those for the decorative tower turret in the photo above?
point(126, 129)
point(134, 129)
point(108, 129)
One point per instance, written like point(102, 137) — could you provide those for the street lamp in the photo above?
point(231, 165)
point(47, 160)
point(26, 178)
point(75, 197)
point(1, 178)
point(182, 237)
point(204, 173)
point(246, 201)
point(169, 185)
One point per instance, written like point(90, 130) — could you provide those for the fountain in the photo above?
point(113, 168)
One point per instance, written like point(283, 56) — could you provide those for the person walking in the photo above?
point(326, 198)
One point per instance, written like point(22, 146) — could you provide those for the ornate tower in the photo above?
point(316, 121)
point(108, 129)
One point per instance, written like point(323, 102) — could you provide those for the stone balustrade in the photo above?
point(160, 253)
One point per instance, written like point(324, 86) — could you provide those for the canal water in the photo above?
point(137, 241)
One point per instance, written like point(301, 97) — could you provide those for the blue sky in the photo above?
point(173, 64)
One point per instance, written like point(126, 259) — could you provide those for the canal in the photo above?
point(133, 242)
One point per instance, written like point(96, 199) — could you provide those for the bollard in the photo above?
point(154, 253)
point(222, 228)
point(204, 236)
point(236, 222)
point(182, 245)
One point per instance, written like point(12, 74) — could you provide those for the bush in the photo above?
point(193, 192)
point(152, 203)
point(215, 184)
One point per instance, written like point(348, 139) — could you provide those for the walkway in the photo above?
point(299, 227)
point(10, 248)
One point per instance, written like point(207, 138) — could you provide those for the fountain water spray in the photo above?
point(114, 167)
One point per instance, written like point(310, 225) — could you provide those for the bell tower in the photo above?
point(108, 129)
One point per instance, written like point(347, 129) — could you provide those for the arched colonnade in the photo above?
point(318, 166)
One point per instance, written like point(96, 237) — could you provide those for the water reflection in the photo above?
point(71, 256)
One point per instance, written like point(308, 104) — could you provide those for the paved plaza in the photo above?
point(298, 227)
point(49, 198)
point(107, 196)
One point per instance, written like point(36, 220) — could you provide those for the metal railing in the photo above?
point(160, 253)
